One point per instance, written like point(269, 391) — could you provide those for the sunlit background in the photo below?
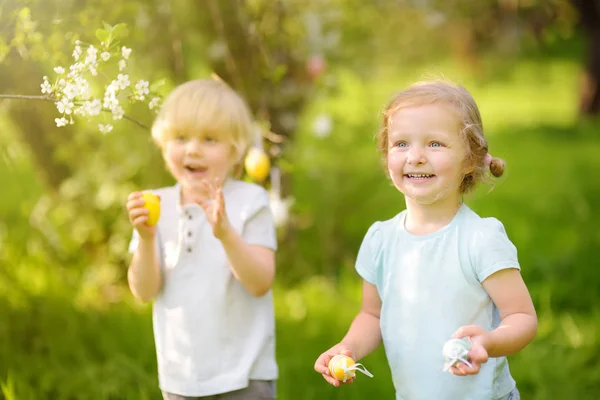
point(317, 74)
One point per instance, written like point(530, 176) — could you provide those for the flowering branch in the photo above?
point(75, 89)
point(47, 98)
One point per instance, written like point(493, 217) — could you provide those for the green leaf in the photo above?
point(119, 31)
point(154, 86)
point(103, 35)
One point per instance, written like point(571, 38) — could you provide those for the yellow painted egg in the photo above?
point(257, 164)
point(338, 367)
point(152, 203)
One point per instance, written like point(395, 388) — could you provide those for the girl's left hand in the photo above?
point(477, 355)
point(214, 208)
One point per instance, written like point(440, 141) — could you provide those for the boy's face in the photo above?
point(426, 153)
point(192, 159)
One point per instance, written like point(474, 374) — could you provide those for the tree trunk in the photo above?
point(589, 16)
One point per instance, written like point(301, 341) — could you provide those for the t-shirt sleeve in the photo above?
point(369, 255)
point(493, 249)
point(134, 242)
point(259, 228)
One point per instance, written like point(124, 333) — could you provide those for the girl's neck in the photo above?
point(423, 219)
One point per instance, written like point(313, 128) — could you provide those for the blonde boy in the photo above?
point(209, 263)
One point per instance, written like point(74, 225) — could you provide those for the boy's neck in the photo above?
point(423, 219)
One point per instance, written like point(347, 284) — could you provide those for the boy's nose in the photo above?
point(193, 146)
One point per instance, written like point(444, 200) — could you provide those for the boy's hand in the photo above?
point(477, 355)
point(322, 363)
point(214, 208)
point(138, 216)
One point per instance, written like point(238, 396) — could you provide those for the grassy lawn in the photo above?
point(57, 344)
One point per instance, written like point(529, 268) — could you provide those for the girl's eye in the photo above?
point(209, 139)
point(435, 144)
point(180, 138)
point(401, 144)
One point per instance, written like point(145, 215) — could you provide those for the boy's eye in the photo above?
point(180, 138)
point(209, 139)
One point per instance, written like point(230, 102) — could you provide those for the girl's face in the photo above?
point(426, 153)
point(192, 159)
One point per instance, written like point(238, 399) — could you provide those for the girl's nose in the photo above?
point(415, 156)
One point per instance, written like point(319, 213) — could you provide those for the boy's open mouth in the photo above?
point(195, 169)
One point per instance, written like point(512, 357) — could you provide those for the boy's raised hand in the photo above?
point(138, 215)
point(478, 355)
point(214, 207)
point(322, 363)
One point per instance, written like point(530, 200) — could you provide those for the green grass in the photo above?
point(61, 337)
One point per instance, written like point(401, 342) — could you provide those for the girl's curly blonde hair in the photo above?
point(471, 127)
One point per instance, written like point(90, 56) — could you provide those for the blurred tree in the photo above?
point(589, 18)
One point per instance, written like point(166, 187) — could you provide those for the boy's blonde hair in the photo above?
point(205, 107)
point(469, 118)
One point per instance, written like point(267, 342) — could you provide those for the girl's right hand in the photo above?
point(322, 363)
point(138, 216)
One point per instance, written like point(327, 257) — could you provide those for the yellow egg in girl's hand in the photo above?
point(342, 367)
point(257, 164)
point(152, 204)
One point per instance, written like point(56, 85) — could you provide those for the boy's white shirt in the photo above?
point(429, 287)
point(211, 335)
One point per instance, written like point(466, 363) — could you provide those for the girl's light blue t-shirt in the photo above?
point(429, 287)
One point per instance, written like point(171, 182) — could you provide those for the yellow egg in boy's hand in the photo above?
point(342, 367)
point(257, 164)
point(152, 204)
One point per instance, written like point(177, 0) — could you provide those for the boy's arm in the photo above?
point(144, 275)
point(253, 266)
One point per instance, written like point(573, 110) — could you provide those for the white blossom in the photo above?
point(70, 91)
point(142, 89)
point(105, 128)
point(122, 65)
point(125, 52)
point(64, 106)
point(105, 56)
point(59, 70)
point(153, 103)
point(46, 86)
point(117, 112)
point(92, 54)
point(61, 121)
point(77, 52)
point(123, 81)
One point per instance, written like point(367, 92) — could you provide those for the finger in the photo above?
point(134, 203)
point(454, 370)
point(140, 221)
point(331, 380)
point(346, 352)
point(467, 330)
point(138, 212)
point(478, 354)
point(134, 195)
point(472, 370)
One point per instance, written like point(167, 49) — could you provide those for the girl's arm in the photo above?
point(518, 324)
point(143, 275)
point(253, 266)
point(363, 337)
point(519, 321)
